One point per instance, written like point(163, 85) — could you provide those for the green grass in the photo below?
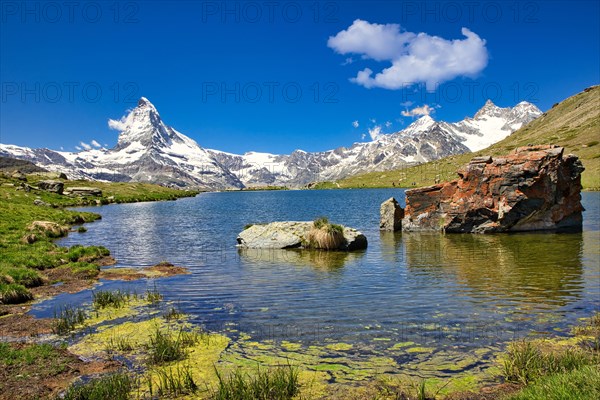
point(165, 346)
point(527, 361)
point(14, 293)
point(29, 355)
point(115, 386)
point(22, 259)
point(172, 382)
point(551, 370)
point(579, 384)
point(153, 296)
point(266, 384)
point(67, 319)
point(118, 343)
point(574, 124)
point(115, 299)
point(42, 359)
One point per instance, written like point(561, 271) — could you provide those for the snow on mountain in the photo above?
point(492, 124)
point(150, 151)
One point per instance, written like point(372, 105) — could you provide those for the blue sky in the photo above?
point(282, 75)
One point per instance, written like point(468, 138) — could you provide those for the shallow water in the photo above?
point(439, 291)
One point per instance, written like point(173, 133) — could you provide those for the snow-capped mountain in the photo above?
point(150, 151)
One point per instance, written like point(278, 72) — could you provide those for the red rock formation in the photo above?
point(533, 188)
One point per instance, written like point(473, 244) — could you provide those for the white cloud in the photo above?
point(407, 103)
point(78, 148)
point(375, 132)
point(96, 144)
point(62, 148)
point(85, 146)
point(348, 61)
point(388, 124)
point(118, 125)
point(415, 58)
point(363, 136)
point(373, 120)
point(355, 124)
point(423, 110)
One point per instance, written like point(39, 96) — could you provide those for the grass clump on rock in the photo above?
point(325, 235)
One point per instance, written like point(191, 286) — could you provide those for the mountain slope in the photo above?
point(150, 151)
point(9, 165)
point(573, 123)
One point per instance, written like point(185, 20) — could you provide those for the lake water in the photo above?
point(440, 291)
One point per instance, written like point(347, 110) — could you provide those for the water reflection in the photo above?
point(391, 247)
point(318, 259)
point(526, 268)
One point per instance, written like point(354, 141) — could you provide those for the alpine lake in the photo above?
point(431, 306)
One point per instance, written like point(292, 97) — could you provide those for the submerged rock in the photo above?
point(292, 235)
point(533, 188)
point(391, 215)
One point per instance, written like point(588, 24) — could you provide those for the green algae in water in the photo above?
point(291, 346)
point(401, 345)
point(339, 346)
point(420, 349)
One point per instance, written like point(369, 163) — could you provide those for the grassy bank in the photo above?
point(27, 232)
point(574, 124)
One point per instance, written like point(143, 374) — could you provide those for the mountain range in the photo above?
point(148, 150)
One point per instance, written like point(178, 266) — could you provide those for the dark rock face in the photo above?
point(52, 186)
point(533, 188)
point(391, 215)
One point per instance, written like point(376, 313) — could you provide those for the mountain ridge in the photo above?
point(573, 123)
point(148, 150)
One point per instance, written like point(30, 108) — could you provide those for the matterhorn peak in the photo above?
point(144, 102)
point(142, 125)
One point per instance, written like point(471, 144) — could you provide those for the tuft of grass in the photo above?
point(172, 382)
point(325, 235)
point(118, 343)
point(164, 346)
point(580, 384)
point(83, 269)
point(153, 296)
point(115, 299)
point(67, 319)
point(82, 229)
point(87, 254)
point(26, 277)
point(115, 386)
point(273, 384)
point(14, 293)
point(172, 314)
point(526, 361)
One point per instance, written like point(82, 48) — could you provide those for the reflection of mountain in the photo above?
point(323, 260)
point(526, 268)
